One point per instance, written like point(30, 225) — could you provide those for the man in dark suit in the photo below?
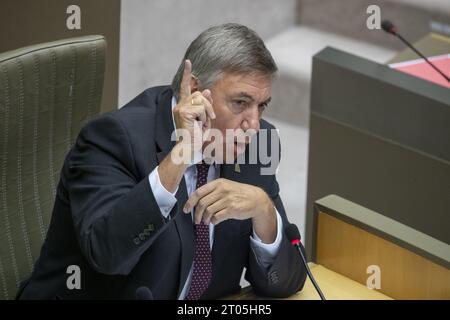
point(129, 214)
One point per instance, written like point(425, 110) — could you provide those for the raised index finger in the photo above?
point(185, 86)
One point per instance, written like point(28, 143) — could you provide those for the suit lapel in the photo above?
point(183, 222)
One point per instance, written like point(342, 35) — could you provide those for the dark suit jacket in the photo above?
point(106, 220)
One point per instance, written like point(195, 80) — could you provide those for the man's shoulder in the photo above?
point(138, 115)
point(147, 100)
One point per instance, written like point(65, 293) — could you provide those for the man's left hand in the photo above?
point(224, 199)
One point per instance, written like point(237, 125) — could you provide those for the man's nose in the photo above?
point(251, 120)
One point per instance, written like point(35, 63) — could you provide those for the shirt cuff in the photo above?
point(266, 252)
point(165, 199)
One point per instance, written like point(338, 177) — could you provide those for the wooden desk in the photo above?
point(350, 238)
point(334, 286)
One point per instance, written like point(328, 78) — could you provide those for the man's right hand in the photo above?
point(192, 109)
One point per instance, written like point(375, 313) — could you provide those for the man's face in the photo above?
point(238, 102)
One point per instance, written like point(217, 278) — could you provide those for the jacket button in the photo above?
point(136, 241)
point(274, 277)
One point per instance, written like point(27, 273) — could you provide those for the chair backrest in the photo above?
point(47, 92)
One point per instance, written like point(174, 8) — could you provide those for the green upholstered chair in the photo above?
point(47, 92)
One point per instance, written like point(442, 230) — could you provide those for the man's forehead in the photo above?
point(252, 97)
point(251, 86)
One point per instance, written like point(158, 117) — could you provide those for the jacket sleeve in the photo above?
point(115, 216)
point(285, 276)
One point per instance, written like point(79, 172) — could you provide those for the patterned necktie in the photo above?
point(201, 275)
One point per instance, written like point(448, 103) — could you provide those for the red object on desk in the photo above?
point(419, 68)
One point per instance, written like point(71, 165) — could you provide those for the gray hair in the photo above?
point(227, 48)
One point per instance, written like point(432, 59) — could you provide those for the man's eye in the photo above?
point(239, 104)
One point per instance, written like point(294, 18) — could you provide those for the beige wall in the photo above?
point(27, 22)
point(155, 34)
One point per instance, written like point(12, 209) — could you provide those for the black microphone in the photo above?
point(144, 293)
point(293, 235)
point(389, 27)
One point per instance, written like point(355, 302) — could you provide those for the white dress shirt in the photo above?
point(166, 200)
